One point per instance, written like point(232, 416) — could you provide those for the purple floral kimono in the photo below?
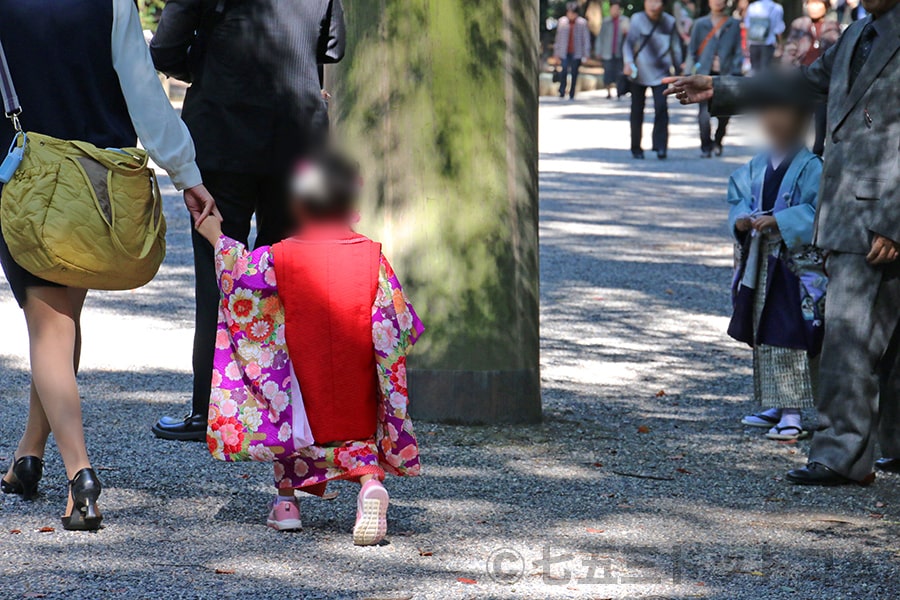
point(251, 414)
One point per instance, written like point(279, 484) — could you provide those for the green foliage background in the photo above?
point(150, 12)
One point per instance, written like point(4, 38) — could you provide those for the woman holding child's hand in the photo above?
point(106, 92)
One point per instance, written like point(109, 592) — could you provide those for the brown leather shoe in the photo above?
point(818, 474)
point(891, 465)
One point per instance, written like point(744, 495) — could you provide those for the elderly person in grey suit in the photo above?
point(714, 49)
point(858, 223)
point(573, 44)
point(609, 47)
point(652, 51)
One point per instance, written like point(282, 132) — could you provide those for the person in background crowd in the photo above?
point(779, 286)
point(573, 44)
point(809, 37)
point(684, 11)
point(85, 75)
point(740, 11)
point(858, 224)
point(609, 49)
point(765, 24)
point(849, 11)
point(254, 105)
point(652, 51)
point(715, 49)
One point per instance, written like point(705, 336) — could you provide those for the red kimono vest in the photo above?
point(327, 281)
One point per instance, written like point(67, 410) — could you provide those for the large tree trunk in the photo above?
point(438, 100)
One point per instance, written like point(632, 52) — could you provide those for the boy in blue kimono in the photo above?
point(779, 284)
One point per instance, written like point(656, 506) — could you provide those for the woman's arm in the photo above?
point(162, 133)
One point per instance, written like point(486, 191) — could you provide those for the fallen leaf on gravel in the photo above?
point(15, 531)
point(224, 571)
point(879, 505)
point(643, 429)
point(244, 476)
point(683, 471)
point(598, 464)
point(670, 292)
point(677, 457)
point(34, 595)
point(425, 552)
point(466, 580)
point(876, 516)
point(46, 530)
point(774, 499)
point(660, 393)
point(592, 530)
point(757, 573)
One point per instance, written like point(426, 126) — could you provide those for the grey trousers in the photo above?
point(859, 385)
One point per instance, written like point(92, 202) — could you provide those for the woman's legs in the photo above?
point(52, 315)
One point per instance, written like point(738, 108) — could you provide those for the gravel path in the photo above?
point(639, 484)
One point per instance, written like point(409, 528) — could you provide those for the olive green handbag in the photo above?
point(78, 215)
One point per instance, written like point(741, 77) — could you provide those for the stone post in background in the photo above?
point(438, 101)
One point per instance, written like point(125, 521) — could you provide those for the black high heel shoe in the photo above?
point(85, 489)
point(27, 471)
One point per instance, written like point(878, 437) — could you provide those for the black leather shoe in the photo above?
point(189, 429)
point(818, 474)
point(891, 465)
point(85, 488)
point(639, 154)
point(661, 154)
point(27, 472)
point(705, 154)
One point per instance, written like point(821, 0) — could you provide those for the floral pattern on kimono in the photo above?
point(250, 414)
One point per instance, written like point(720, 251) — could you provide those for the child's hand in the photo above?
point(744, 224)
point(211, 227)
point(766, 224)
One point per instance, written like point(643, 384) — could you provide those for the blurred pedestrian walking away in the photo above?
point(779, 286)
point(82, 73)
point(858, 223)
point(254, 106)
point(311, 354)
point(809, 37)
point(573, 44)
point(764, 23)
point(715, 49)
point(610, 44)
point(652, 51)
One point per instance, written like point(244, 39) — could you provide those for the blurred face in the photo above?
point(572, 15)
point(717, 6)
point(615, 10)
point(784, 127)
point(654, 8)
point(816, 9)
point(879, 7)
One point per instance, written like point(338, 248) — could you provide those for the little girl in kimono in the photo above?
point(310, 367)
point(779, 285)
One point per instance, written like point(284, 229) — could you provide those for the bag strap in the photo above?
point(711, 35)
point(11, 107)
point(647, 39)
